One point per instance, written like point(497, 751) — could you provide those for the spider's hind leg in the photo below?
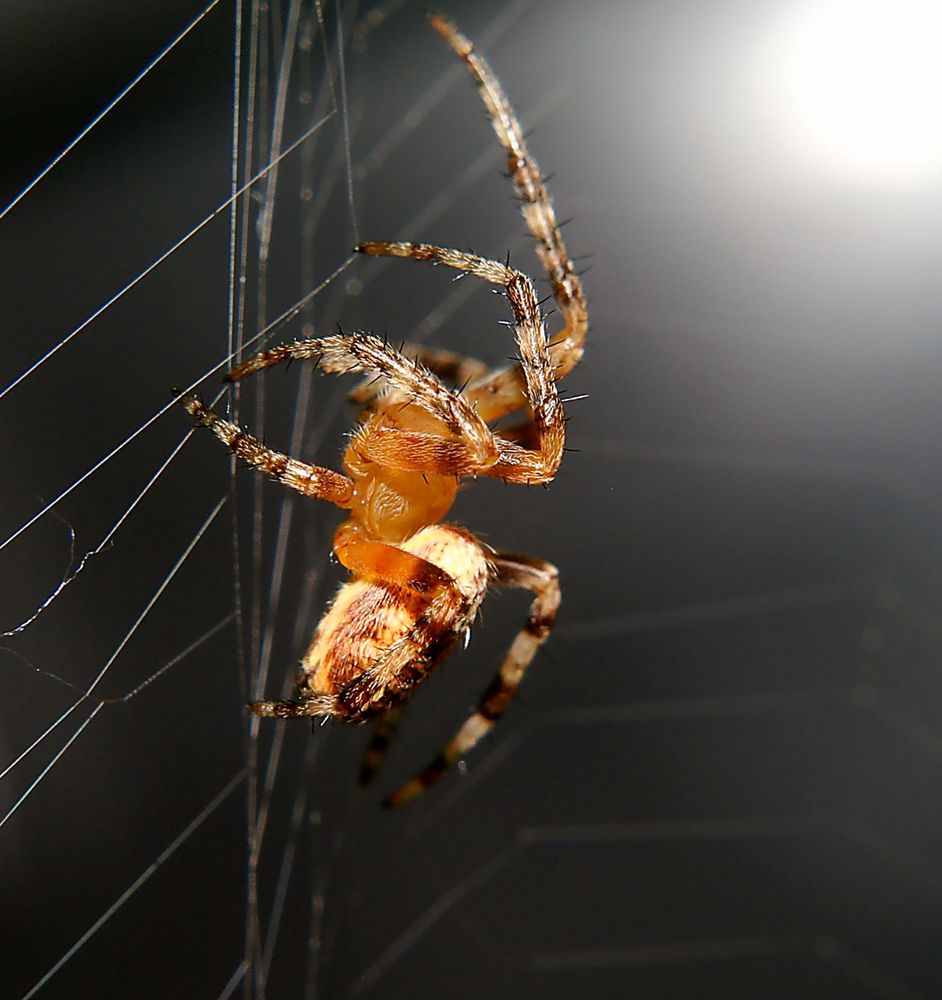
point(382, 736)
point(316, 706)
point(542, 578)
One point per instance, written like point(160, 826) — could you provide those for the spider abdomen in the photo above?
point(377, 641)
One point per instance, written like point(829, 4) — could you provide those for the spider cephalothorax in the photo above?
point(417, 584)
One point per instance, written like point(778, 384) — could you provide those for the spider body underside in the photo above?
point(417, 584)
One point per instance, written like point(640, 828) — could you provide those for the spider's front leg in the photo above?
point(536, 207)
point(311, 480)
point(463, 444)
point(474, 447)
point(542, 578)
point(452, 368)
point(532, 381)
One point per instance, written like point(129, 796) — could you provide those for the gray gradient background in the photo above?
point(722, 779)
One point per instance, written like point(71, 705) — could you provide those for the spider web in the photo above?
point(719, 779)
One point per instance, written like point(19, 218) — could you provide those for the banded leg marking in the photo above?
point(311, 480)
point(542, 578)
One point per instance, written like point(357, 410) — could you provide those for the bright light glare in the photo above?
point(862, 82)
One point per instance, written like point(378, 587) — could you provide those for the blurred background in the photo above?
point(720, 780)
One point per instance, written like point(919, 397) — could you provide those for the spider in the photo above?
point(416, 584)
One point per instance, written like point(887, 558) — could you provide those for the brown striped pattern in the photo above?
point(383, 733)
point(379, 639)
point(481, 267)
point(304, 707)
point(542, 579)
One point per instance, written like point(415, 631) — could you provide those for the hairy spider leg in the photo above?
point(449, 366)
point(476, 449)
point(567, 346)
point(516, 464)
point(311, 480)
point(458, 370)
point(500, 391)
point(542, 578)
point(384, 731)
point(347, 353)
point(473, 450)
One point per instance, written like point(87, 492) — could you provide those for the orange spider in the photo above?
point(417, 584)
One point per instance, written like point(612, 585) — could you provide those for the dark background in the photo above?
point(721, 778)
